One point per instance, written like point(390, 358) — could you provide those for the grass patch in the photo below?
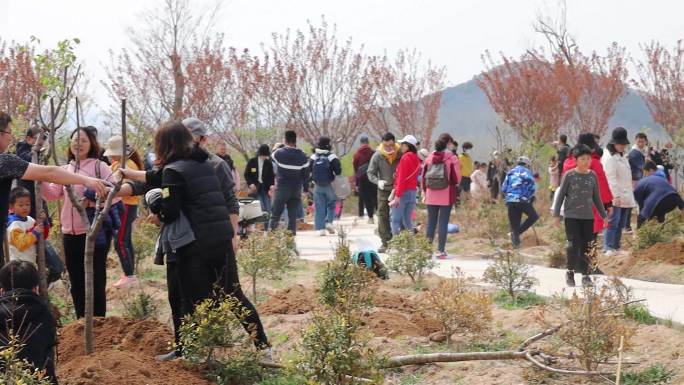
point(640, 314)
point(152, 274)
point(504, 341)
point(522, 301)
point(66, 313)
point(657, 374)
point(411, 379)
point(282, 380)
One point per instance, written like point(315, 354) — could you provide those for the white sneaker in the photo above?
point(330, 228)
point(610, 253)
point(322, 233)
point(371, 221)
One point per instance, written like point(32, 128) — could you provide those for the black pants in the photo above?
point(368, 197)
point(124, 239)
point(74, 251)
point(290, 197)
point(194, 278)
point(580, 235)
point(663, 207)
point(515, 213)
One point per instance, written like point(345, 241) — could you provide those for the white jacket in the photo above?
point(22, 241)
point(619, 176)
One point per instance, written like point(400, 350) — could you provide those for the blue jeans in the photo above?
point(265, 201)
point(324, 199)
point(612, 235)
point(438, 219)
point(401, 216)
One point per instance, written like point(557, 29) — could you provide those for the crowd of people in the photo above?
point(191, 193)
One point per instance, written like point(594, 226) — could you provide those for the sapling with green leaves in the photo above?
point(509, 272)
point(265, 256)
point(410, 254)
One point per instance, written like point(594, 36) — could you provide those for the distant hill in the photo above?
point(467, 115)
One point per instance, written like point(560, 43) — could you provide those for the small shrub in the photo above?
point(657, 374)
point(18, 371)
point(557, 257)
point(494, 222)
point(653, 232)
point(640, 314)
point(521, 301)
point(411, 255)
point(141, 306)
point(332, 351)
point(594, 325)
point(458, 307)
point(144, 239)
point(345, 286)
point(510, 273)
point(265, 256)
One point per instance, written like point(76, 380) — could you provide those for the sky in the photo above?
point(451, 33)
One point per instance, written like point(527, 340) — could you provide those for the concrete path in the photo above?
point(665, 301)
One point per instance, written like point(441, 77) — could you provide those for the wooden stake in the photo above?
point(619, 365)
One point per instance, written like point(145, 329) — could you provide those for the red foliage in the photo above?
point(19, 83)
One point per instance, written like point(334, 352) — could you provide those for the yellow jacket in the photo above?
point(466, 165)
point(134, 200)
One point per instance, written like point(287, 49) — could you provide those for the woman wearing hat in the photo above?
point(128, 212)
point(619, 175)
point(405, 186)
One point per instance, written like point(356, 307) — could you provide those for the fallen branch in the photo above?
point(422, 359)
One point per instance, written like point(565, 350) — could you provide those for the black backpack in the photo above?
point(322, 173)
point(436, 176)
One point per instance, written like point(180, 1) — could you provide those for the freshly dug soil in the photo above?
point(124, 354)
point(392, 324)
point(671, 252)
point(294, 300)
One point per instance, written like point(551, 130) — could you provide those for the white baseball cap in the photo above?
point(410, 139)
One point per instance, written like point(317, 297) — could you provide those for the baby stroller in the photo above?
point(250, 215)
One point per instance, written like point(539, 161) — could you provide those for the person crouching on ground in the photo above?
point(655, 195)
point(519, 190)
point(26, 315)
point(579, 190)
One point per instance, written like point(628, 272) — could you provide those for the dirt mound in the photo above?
point(388, 300)
point(428, 324)
point(392, 324)
point(122, 367)
point(124, 354)
point(294, 300)
point(145, 337)
point(671, 252)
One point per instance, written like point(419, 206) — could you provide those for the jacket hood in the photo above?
point(441, 156)
point(22, 305)
point(320, 151)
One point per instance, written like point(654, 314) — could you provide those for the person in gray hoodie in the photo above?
point(381, 170)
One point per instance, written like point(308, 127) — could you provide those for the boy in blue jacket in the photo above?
point(519, 189)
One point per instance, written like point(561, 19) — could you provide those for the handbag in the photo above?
point(341, 186)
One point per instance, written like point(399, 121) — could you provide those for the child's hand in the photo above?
point(609, 212)
point(39, 227)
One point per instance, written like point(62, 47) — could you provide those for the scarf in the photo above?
point(390, 156)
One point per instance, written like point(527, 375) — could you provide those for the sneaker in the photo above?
point(610, 253)
point(371, 221)
point(322, 233)
point(330, 228)
point(126, 281)
point(596, 271)
point(442, 255)
point(382, 249)
point(266, 356)
point(627, 230)
point(570, 278)
point(586, 281)
point(170, 356)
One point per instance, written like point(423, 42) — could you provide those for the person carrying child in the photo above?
point(25, 315)
point(579, 193)
point(23, 232)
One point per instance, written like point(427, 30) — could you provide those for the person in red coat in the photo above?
point(597, 168)
point(405, 186)
point(367, 191)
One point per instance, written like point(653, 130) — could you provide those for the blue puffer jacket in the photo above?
point(519, 185)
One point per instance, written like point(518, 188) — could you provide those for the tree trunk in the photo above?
point(38, 206)
point(422, 359)
point(254, 294)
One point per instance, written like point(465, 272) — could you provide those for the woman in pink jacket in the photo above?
point(83, 145)
point(441, 174)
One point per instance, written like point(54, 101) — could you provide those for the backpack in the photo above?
point(371, 261)
point(322, 174)
point(437, 177)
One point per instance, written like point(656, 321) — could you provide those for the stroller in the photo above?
point(250, 215)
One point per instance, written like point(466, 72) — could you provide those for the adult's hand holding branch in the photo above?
point(98, 185)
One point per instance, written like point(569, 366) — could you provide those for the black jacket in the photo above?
point(191, 185)
point(28, 316)
point(267, 174)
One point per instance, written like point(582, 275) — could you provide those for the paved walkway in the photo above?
point(665, 301)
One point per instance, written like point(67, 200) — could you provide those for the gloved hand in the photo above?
point(153, 199)
point(381, 184)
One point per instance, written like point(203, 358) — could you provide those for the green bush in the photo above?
point(509, 272)
point(140, 306)
point(144, 239)
point(493, 220)
point(411, 255)
point(521, 301)
point(640, 314)
point(267, 255)
point(657, 374)
point(557, 256)
point(653, 232)
point(17, 371)
point(332, 351)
